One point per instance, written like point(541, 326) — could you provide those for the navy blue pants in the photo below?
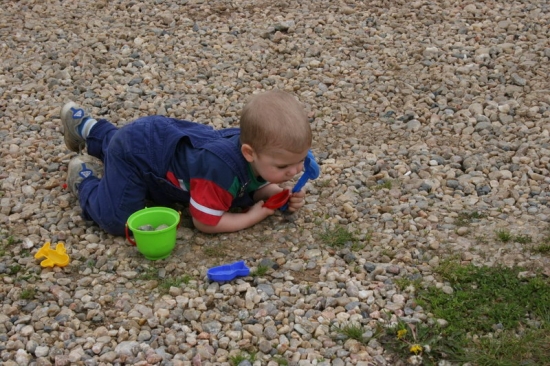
point(135, 159)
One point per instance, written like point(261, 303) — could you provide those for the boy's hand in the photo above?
point(259, 212)
point(296, 201)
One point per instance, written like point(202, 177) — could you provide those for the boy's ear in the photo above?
point(248, 152)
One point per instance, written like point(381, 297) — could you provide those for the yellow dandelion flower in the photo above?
point(401, 333)
point(416, 349)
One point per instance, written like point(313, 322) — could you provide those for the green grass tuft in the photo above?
point(6, 241)
point(214, 251)
point(337, 237)
point(164, 283)
point(523, 239)
point(281, 361)
point(386, 184)
point(260, 271)
point(240, 357)
point(351, 331)
point(503, 235)
point(168, 282)
point(28, 293)
point(543, 248)
point(466, 218)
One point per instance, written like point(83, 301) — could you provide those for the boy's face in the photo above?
point(275, 165)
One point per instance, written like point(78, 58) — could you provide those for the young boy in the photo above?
point(168, 160)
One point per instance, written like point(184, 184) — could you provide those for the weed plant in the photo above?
point(542, 248)
point(28, 294)
point(503, 235)
point(240, 357)
point(523, 239)
point(216, 251)
point(164, 283)
point(280, 360)
point(337, 237)
point(6, 241)
point(421, 344)
point(341, 237)
point(351, 331)
point(386, 184)
point(260, 271)
point(466, 218)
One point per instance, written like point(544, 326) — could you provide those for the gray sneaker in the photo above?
point(72, 116)
point(80, 168)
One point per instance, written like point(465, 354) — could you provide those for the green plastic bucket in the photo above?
point(157, 244)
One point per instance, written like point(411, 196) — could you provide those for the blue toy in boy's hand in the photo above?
point(228, 272)
point(311, 171)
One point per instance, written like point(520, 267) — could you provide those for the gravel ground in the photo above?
point(422, 111)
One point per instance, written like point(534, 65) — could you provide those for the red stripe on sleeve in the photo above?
point(211, 201)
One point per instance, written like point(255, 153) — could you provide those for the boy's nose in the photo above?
point(297, 169)
point(291, 172)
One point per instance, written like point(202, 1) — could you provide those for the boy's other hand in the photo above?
point(259, 211)
point(296, 201)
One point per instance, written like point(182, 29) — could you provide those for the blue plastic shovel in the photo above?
point(227, 272)
point(311, 171)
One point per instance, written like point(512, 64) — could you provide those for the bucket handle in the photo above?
point(127, 231)
point(133, 242)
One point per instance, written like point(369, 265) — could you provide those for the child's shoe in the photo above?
point(72, 116)
point(80, 168)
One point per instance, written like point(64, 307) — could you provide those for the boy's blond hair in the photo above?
point(275, 119)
